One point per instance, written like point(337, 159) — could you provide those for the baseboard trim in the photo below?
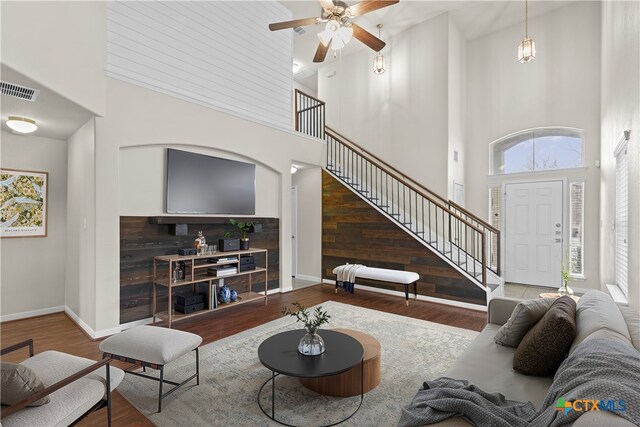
point(32, 313)
point(443, 301)
point(88, 330)
point(310, 278)
point(280, 290)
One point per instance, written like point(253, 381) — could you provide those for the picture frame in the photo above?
point(24, 197)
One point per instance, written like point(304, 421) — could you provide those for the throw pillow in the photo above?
point(545, 346)
point(18, 382)
point(524, 316)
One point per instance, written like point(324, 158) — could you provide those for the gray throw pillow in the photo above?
point(19, 382)
point(524, 316)
point(545, 346)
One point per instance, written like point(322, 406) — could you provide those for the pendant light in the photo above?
point(527, 47)
point(379, 63)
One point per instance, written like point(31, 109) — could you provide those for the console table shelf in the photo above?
point(195, 272)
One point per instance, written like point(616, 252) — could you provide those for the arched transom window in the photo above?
point(536, 150)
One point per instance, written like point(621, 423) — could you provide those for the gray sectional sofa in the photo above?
point(489, 365)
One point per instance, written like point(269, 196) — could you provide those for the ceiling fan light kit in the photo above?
point(21, 125)
point(339, 28)
point(527, 47)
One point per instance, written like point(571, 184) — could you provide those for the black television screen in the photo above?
point(202, 184)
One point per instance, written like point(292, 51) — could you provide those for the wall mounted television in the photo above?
point(199, 184)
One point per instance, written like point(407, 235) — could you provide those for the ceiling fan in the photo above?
point(339, 28)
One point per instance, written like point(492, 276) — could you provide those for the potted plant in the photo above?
point(311, 343)
point(244, 228)
point(566, 277)
point(228, 243)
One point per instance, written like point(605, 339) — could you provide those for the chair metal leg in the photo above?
point(160, 389)
point(108, 394)
point(197, 366)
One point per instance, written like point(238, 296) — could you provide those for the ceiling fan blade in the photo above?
point(367, 38)
point(321, 53)
point(366, 6)
point(292, 24)
point(327, 4)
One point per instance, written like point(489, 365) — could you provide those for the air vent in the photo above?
point(299, 30)
point(21, 92)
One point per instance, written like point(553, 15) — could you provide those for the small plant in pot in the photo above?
point(244, 228)
point(311, 343)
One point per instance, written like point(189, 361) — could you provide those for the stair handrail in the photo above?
point(444, 207)
point(388, 166)
point(446, 204)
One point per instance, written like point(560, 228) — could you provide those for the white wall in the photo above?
point(81, 241)
point(560, 87)
point(163, 120)
point(33, 269)
point(143, 194)
point(60, 44)
point(457, 103)
point(400, 115)
point(309, 237)
point(620, 111)
point(220, 54)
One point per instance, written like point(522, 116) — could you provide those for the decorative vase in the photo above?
point(311, 344)
point(565, 290)
point(244, 244)
point(224, 295)
point(233, 296)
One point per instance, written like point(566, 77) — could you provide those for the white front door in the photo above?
point(533, 230)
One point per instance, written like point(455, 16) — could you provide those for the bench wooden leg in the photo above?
point(406, 294)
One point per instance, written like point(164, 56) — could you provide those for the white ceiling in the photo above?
point(475, 18)
point(56, 116)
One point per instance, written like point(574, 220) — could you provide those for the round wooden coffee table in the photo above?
point(347, 384)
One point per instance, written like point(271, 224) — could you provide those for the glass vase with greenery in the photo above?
point(311, 343)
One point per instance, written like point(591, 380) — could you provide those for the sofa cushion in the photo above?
point(596, 311)
point(488, 366)
point(18, 383)
point(632, 320)
point(524, 316)
point(545, 346)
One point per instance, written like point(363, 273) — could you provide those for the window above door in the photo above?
point(537, 150)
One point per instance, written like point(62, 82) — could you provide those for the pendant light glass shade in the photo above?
point(21, 124)
point(527, 47)
point(379, 64)
point(526, 50)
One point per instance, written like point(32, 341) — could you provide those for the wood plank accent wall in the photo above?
point(140, 241)
point(354, 232)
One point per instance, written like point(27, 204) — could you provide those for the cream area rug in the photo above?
point(231, 375)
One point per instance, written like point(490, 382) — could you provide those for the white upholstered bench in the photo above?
point(153, 347)
point(405, 278)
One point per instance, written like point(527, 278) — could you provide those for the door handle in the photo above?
point(558, 240)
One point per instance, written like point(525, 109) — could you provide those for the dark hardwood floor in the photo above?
point(58, 332)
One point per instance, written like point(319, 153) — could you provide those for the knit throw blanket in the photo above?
point(599, 370)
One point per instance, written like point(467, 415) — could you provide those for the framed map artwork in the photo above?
point(23, 203)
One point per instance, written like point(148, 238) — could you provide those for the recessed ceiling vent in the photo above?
point(299, 30)
point(21, 92)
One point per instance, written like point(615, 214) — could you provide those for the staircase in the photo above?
point(466, 242)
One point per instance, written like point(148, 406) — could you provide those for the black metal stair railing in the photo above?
point(449, 229)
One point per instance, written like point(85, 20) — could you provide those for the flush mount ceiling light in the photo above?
point(296, 67)
point(21, 124)
point(527, 47)
point(294, 169)
point(379, 64)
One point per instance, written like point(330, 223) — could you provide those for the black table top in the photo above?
point(280, 354)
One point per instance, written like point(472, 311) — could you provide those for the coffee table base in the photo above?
point(273, 399)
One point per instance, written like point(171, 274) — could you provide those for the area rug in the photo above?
point(231, 375)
